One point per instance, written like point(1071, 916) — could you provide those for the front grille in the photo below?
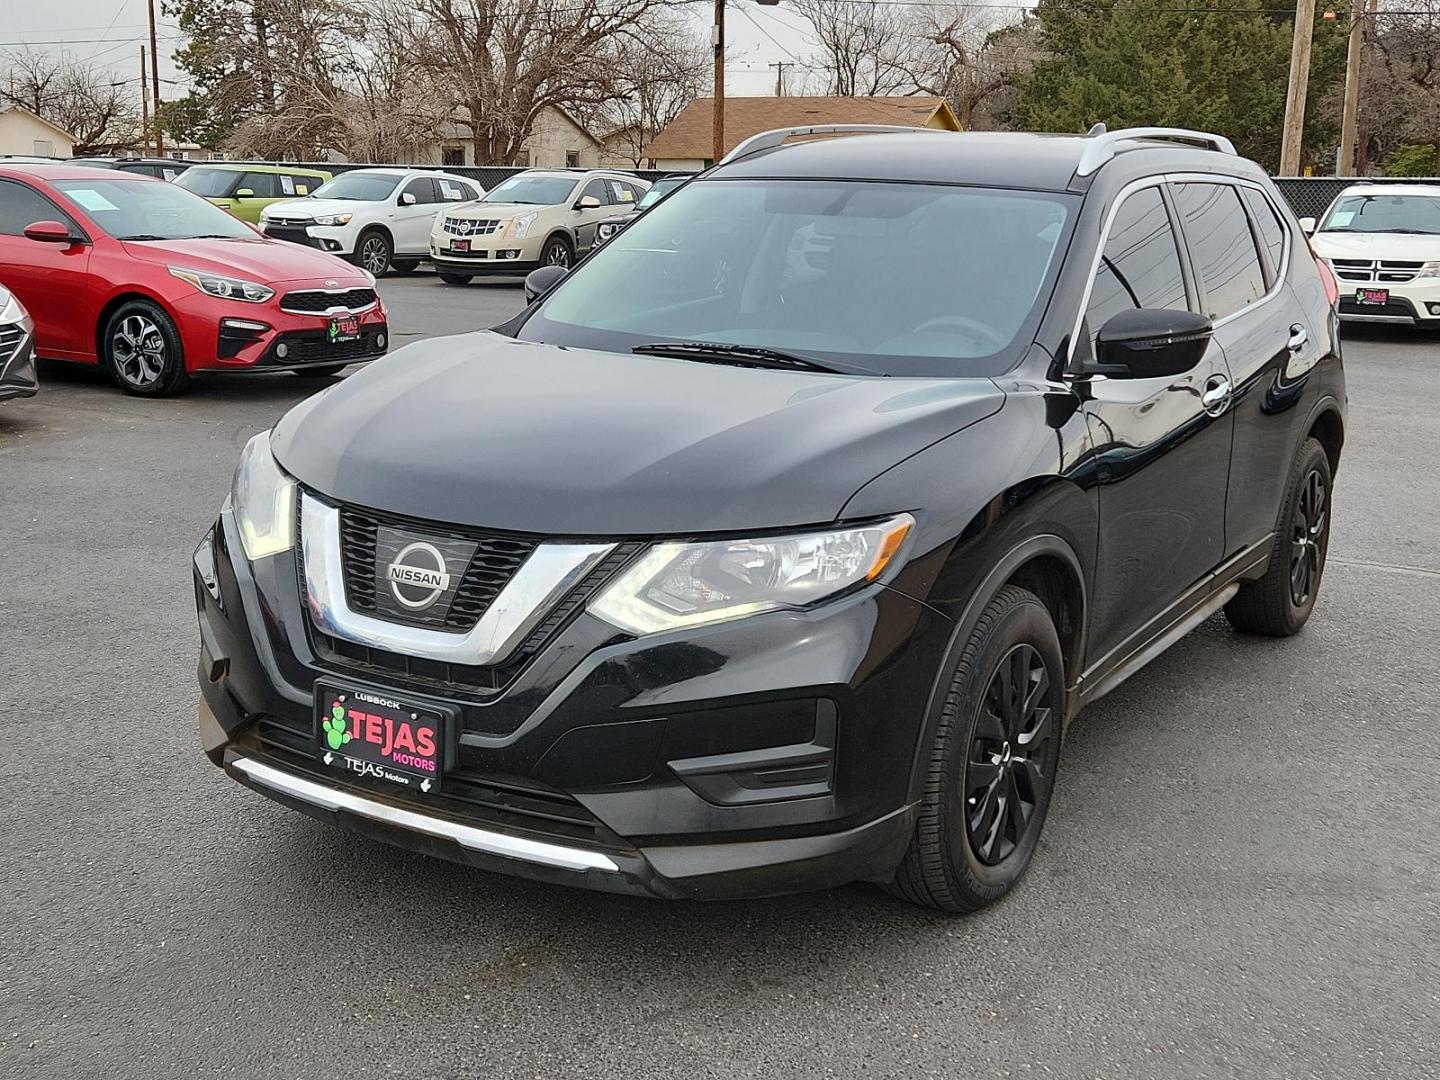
point(317, 302)
point(451, 253)
point(457, 226)
point(1376, 270)
point(290, 234)
point(315, 347)
point(10, 339)
point(493, 564)
point(465, 793)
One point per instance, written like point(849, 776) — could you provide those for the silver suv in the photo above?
point(541, 217)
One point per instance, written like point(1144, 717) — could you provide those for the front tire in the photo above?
point(1280, 603)
point(373, 252)
point(141, 349)
point(993, 761)
point(557, 252)
point(455, 279)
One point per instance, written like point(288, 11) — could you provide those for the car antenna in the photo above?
point(1097, 128)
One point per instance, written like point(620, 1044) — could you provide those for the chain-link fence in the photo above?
point(1308, 195)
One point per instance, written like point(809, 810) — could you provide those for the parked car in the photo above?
point(375, 218)
point(17, 349)
point(1383, 242)
point(245, 190)
point(541, 217)
point(658, 190)
point(776, 545)
point(153, 283)
point(160, 168)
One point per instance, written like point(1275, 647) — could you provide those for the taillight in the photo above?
point(1332, 287)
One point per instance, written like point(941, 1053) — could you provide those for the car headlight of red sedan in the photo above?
point(227, 288)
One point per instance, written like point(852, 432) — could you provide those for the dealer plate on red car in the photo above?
point(373, 733)
point(344, 328)
point(1372, 296)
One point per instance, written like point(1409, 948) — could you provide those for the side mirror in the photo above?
point(1307, 226)
point(1148, 343)
point(540, 281)
point(407, 199)
point(587, 202)
point(50, 232)
point(244, 193)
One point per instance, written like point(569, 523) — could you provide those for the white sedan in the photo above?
point(1383, 243)
point(376, 218)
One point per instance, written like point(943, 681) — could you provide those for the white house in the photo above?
point(25, 134)
point(556, 140)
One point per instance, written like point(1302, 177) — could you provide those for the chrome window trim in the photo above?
point(467, 836)
point(550, 571)
point(1159, 180)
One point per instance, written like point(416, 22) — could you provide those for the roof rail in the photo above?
point(1103, 144)
point(768, 140)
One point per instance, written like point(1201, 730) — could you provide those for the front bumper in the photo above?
point(221, 335)
point(487, 255)
point(1411, 303)
point(766, 756)
point(336, 239)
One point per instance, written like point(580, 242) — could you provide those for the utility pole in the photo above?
point(144, 108)
point(780, 66)
point(717, 39)
point(155, 83)
point(1294, 129)
point(1354, 47)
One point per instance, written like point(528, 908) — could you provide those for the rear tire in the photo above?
point(993, 761)
point(141, 349)
point(373, 252)
point(1279, 604)
point(455, 279)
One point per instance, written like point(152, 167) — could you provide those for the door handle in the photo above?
point(1298, 337)
point(1217, 395)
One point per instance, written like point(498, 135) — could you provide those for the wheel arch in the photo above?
point(564, 233)
point(115, 303)
point(1327, 427)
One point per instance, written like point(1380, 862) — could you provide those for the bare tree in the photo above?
point(971, 57)
point(654, 79)
point(866, 45)
point(102, 113)
point(1400, 89)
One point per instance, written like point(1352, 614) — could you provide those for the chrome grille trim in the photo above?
point(456, 226)
point(542, 580)
point(1384, 271)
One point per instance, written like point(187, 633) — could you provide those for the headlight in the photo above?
point(1430, 269)
point(607, 229)
point(227, 288)
point(13, 313)
point(263, 499)
point(692, 584)
point(519, 226)
point(334, 219)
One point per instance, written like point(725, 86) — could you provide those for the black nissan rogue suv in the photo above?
point(775, 545)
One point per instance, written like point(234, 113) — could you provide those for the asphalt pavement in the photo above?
point(1238, 876)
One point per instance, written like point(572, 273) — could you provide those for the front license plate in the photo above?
point(344, 328)
point(1372, 296)
point(459, 245)
point(373, 733)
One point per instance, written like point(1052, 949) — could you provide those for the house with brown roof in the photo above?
point(687, 142)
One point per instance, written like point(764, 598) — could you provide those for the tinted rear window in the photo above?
point(1221, 246)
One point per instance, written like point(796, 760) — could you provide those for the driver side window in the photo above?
point(596, 188)
point(1140, 264)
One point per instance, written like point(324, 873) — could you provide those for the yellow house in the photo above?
point(687, 143)
point(24, 134)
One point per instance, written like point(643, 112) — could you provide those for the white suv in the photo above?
point(541, 217)
point(1383, 243)
point(376, 218)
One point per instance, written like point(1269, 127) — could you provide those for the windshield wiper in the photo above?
point(722, 352)
point(142, 236)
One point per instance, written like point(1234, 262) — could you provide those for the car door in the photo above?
point(586, 220)
point(1162, 457)
point(411, 222)
point(1269, 348)
point(51, 280)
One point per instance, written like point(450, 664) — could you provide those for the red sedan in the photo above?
point(154, 283)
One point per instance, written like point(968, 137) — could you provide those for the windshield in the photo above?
point(903, 279)
point(212, 183)
point(540, 190)
point(1385, 214)
point(136, 209)
point(358, 187)
point(658, 191)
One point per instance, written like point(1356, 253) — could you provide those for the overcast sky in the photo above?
point(111, 32)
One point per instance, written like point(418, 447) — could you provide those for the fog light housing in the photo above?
point(508, 253)
point(1434, 309)
point(379, 341)
point(282, 350)
point(331, 245)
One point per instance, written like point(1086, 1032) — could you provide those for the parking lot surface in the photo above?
point(1238, 877)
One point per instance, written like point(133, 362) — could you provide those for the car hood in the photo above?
point(487, 431)
point(258, 259)
point(1402, 246)
point(309, 208)
point(481, 210)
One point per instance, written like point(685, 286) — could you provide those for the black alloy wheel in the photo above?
point(1308, 536)
point(1008, 772)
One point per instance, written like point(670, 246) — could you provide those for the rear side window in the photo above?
point(1272, 233)
point(1221, 246)
point(1140, 264)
